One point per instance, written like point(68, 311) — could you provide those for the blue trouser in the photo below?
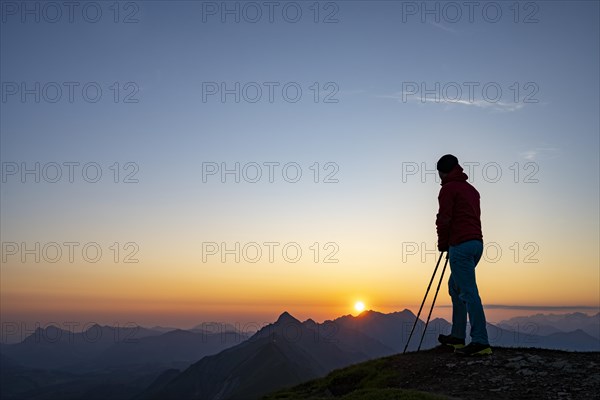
point(463, 291)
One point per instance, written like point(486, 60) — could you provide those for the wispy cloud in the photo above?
point(539, 153)
point(443, 27)
point(529, 154)
point(496, 106)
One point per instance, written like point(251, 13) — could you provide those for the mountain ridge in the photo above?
point(324, 347)
point(217, 363)
point(509, 373)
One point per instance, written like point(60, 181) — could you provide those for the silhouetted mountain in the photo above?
point(52, 347)
point(158, 384)
point(546, 324)
point(162, 329)
point(394, 329)
point(218, 328)
point(122, 363)
point(178, 346)
point(280, 354)
point(531, 328)
point(572, 341)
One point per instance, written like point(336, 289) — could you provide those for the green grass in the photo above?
point(372, 380)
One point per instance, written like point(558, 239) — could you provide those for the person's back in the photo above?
point(459, 204)
point(458, 225)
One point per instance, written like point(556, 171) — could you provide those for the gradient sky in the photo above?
point(371, 134)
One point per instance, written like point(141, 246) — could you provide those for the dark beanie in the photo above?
point(446, 163)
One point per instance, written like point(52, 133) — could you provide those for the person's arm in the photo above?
point(444, 218)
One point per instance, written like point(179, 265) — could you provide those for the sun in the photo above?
point(359, 306)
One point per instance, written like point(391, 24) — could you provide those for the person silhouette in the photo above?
point(458, 224)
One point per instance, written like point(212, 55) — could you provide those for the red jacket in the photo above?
point(458, 218)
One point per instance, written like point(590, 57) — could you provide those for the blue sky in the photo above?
point(369, 56)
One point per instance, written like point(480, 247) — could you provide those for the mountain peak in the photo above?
point(94, 327)
point(406, 312)
point(286, 317)
point(370, 314)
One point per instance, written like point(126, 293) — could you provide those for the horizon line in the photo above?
point(531, 307)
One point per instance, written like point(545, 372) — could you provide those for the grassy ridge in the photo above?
point(371, 380)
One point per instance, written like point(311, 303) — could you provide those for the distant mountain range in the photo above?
point(104, 346)
point(547, 324)
point(209, 363)
point(101, 362)
point(290, 351)
point(55, 348)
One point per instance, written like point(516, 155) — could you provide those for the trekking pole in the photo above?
point(433, 304)
point(423, 302)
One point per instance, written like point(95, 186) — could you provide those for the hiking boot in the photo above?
point(452, 341)
point(474, 349)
